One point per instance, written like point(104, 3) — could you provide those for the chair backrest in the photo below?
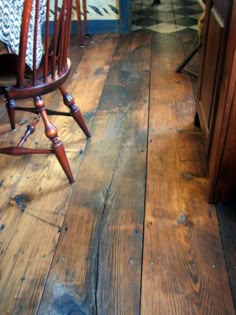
point(36, 65)
point(44, 44)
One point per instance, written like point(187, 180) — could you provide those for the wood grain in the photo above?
point(184, 270)
point(86, 249)
point(73, 267)
point(27, 248)
point(106, 208)
point(121, 225)
point(41, 195)
point(38, 184)
point(29, 168)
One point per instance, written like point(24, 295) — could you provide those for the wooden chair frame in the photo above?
point(33, 83)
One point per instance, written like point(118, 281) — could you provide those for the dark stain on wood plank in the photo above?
point(82, 218)
point(67, 304)
point(22, 200)
point(120, 261)
point(100, 71)
point(97, 262)
point(119, 133)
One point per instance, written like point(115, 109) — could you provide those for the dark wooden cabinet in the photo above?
point(216, 104)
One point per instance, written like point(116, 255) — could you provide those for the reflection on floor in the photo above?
point(167, 17)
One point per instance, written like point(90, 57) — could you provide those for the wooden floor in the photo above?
point(134, 234)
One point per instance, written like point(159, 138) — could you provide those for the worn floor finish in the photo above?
point(134, 234)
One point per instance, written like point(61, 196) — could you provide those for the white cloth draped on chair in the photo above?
point(10, 26)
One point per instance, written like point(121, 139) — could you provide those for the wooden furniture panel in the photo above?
point(211, 63)
point(216, 100)
point(228, 166)
point(222, 166)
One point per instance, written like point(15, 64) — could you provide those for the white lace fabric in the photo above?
point(10, 27)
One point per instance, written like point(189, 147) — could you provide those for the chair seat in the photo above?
point(8, 73)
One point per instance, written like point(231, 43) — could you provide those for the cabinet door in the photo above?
point(212, 59)
point(222, 166)
point(226, 184)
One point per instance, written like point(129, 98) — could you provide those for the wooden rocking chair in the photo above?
point(39, 67)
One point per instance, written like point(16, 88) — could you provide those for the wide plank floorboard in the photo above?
point(134, 235)
point(105, 200)
point(40, 198)
point(184, 269)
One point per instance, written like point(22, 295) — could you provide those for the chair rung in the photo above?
point(36, 111)
point(24, 151)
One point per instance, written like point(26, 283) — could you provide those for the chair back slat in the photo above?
point(62, 36)
point(35, 40)
point(55, 43)
point(85, 17)
point(68, 32)
point(23, 41)
point(46, 43)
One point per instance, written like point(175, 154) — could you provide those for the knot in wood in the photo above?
point(182, 219)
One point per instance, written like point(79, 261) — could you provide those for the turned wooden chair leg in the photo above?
point(75, 111)
point(52, 134)
point(30, 129)
point(10, 106)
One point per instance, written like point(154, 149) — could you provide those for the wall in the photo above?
point(103, 9)
point(106, 16)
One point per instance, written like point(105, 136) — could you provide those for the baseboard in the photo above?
point(100, 26)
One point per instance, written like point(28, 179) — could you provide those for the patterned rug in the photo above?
point(167, 17)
